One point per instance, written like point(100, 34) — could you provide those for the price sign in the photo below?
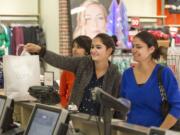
point(48, 78)
point(135, 22)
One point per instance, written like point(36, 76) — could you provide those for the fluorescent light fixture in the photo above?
point(77, 10)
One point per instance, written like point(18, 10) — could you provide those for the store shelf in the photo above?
point(149, 17)
point(173, 25)
point(19, 17)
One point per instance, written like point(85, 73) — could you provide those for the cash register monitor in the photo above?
point(6, 112)
point(46, 120)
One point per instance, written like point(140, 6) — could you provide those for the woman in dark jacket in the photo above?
point(90, 71)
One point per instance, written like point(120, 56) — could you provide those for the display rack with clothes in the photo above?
point(21, 29)
point(4, 40)
point(173, 61)
point(123, 61)
point(24, 34)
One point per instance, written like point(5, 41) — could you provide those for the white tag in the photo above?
point(72, 107)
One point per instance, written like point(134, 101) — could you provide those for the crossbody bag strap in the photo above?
point(160, 84)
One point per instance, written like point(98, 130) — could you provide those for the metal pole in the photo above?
point(162, 11)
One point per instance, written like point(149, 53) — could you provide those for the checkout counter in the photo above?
point(83, 123)
point(89, 125)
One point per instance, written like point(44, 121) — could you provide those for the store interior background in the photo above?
point(48, 11)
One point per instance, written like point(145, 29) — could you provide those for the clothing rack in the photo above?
point(25, 26)
point(123, 61)
point(173, 61)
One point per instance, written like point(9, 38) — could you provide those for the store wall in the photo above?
point(141, 7)
point(171, 19)
point(18, 7)
point(50, 24)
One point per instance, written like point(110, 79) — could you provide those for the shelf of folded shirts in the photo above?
point(164, 43)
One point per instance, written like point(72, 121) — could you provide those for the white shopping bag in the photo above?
point(20, 72)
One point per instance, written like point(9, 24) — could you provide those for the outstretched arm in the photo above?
point(56, 60)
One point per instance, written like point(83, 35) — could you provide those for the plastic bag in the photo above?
point(20, 72)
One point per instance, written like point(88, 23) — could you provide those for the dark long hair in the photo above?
point(107, 41)
point(150, 40)
point(83, 42)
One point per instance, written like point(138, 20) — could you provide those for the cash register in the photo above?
point(44, 120)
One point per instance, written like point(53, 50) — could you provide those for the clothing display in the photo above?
point(150, 102)
point(4, 41)
point(123, 61)
point(11, 37)
point(25, 34)
point(173, 63)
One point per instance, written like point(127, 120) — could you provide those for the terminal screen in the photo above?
point(2, 103)
point(43, 122)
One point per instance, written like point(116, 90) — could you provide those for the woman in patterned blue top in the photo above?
point(140, 85)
